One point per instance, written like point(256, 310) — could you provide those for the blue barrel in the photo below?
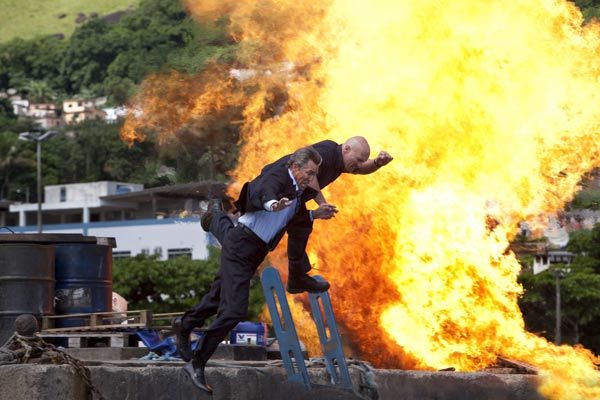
point(26, 283)
point(83, 281)
point(249, 333)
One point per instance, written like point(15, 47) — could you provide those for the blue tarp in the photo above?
point(244, 332)
point(165, 347)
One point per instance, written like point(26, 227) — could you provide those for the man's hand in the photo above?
point(373, 164)
point(383, 158)
point(281, 204)
point(325, 211)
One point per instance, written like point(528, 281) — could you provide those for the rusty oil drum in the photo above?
point(26, 283)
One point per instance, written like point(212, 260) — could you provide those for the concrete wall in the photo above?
point(40, 382)
point(86, 192)
point(424, 385)
point(149, 236)
point(167, 381)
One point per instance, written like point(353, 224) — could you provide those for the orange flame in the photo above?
point(489, 109)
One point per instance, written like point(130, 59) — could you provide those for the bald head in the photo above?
point(360, 144)
point(355, 151)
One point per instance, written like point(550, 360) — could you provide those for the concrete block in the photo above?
point(273, 352)
point(40, 382)
point(172, 383)
point(107, 353)
point(168, 381)
point(241, 352)
point(427, 385)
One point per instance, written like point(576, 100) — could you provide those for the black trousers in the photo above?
point(221, 226)
point(241, 254)
point(299, 230)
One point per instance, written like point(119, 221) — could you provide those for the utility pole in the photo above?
point(38, 137)
point(557, 276)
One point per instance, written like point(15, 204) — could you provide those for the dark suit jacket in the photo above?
point(300, 227)
point(273, 183)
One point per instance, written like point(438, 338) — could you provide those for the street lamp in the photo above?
point(559, 273)
point(38, 137)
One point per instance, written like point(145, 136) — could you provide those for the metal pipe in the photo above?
point(39, 185)
point(557, 338)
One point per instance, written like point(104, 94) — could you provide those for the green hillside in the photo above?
point(29, 18)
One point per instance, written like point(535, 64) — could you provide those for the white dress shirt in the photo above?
point(266, 224)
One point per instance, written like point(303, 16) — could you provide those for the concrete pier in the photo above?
point(251, 380)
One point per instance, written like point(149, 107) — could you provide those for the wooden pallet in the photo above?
point(109, 321)
point(94, 339)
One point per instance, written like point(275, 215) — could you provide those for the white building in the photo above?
point(152, 221)
point(75, 202)
point(112, 114)
point(46, 115)
point(79, 110)
point(20, 106)
point(545, 260)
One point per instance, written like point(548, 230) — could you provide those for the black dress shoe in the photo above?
point(197, 377)
point(213, 206)
point(227, 204)
point(305, 283)
point(182, 339)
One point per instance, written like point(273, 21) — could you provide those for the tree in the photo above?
point(172, 286)
point(580, 294)
point(17, 161)
point(6, 109)
point(589, 8)
point(581, 310)
point(118, 89)
point(594, 247)
point(39, 92)
point(12, 159)
point(88, 55)
point(95, 152)
point(22, 61)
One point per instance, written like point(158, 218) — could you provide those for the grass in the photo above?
point(30, 18)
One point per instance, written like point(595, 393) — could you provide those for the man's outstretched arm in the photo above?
point(319, 198)
point(372, 165)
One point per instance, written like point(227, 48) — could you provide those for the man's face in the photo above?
point(353, 158)
point(306, 174)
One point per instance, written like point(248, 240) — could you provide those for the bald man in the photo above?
point(350, 157)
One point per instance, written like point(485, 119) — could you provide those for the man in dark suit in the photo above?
point(352, 157)
point(267, 204)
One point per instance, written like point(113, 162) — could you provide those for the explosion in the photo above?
point(489, 109)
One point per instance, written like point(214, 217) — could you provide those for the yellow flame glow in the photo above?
point(490, 110)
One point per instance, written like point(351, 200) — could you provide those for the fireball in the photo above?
point(490, 110)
